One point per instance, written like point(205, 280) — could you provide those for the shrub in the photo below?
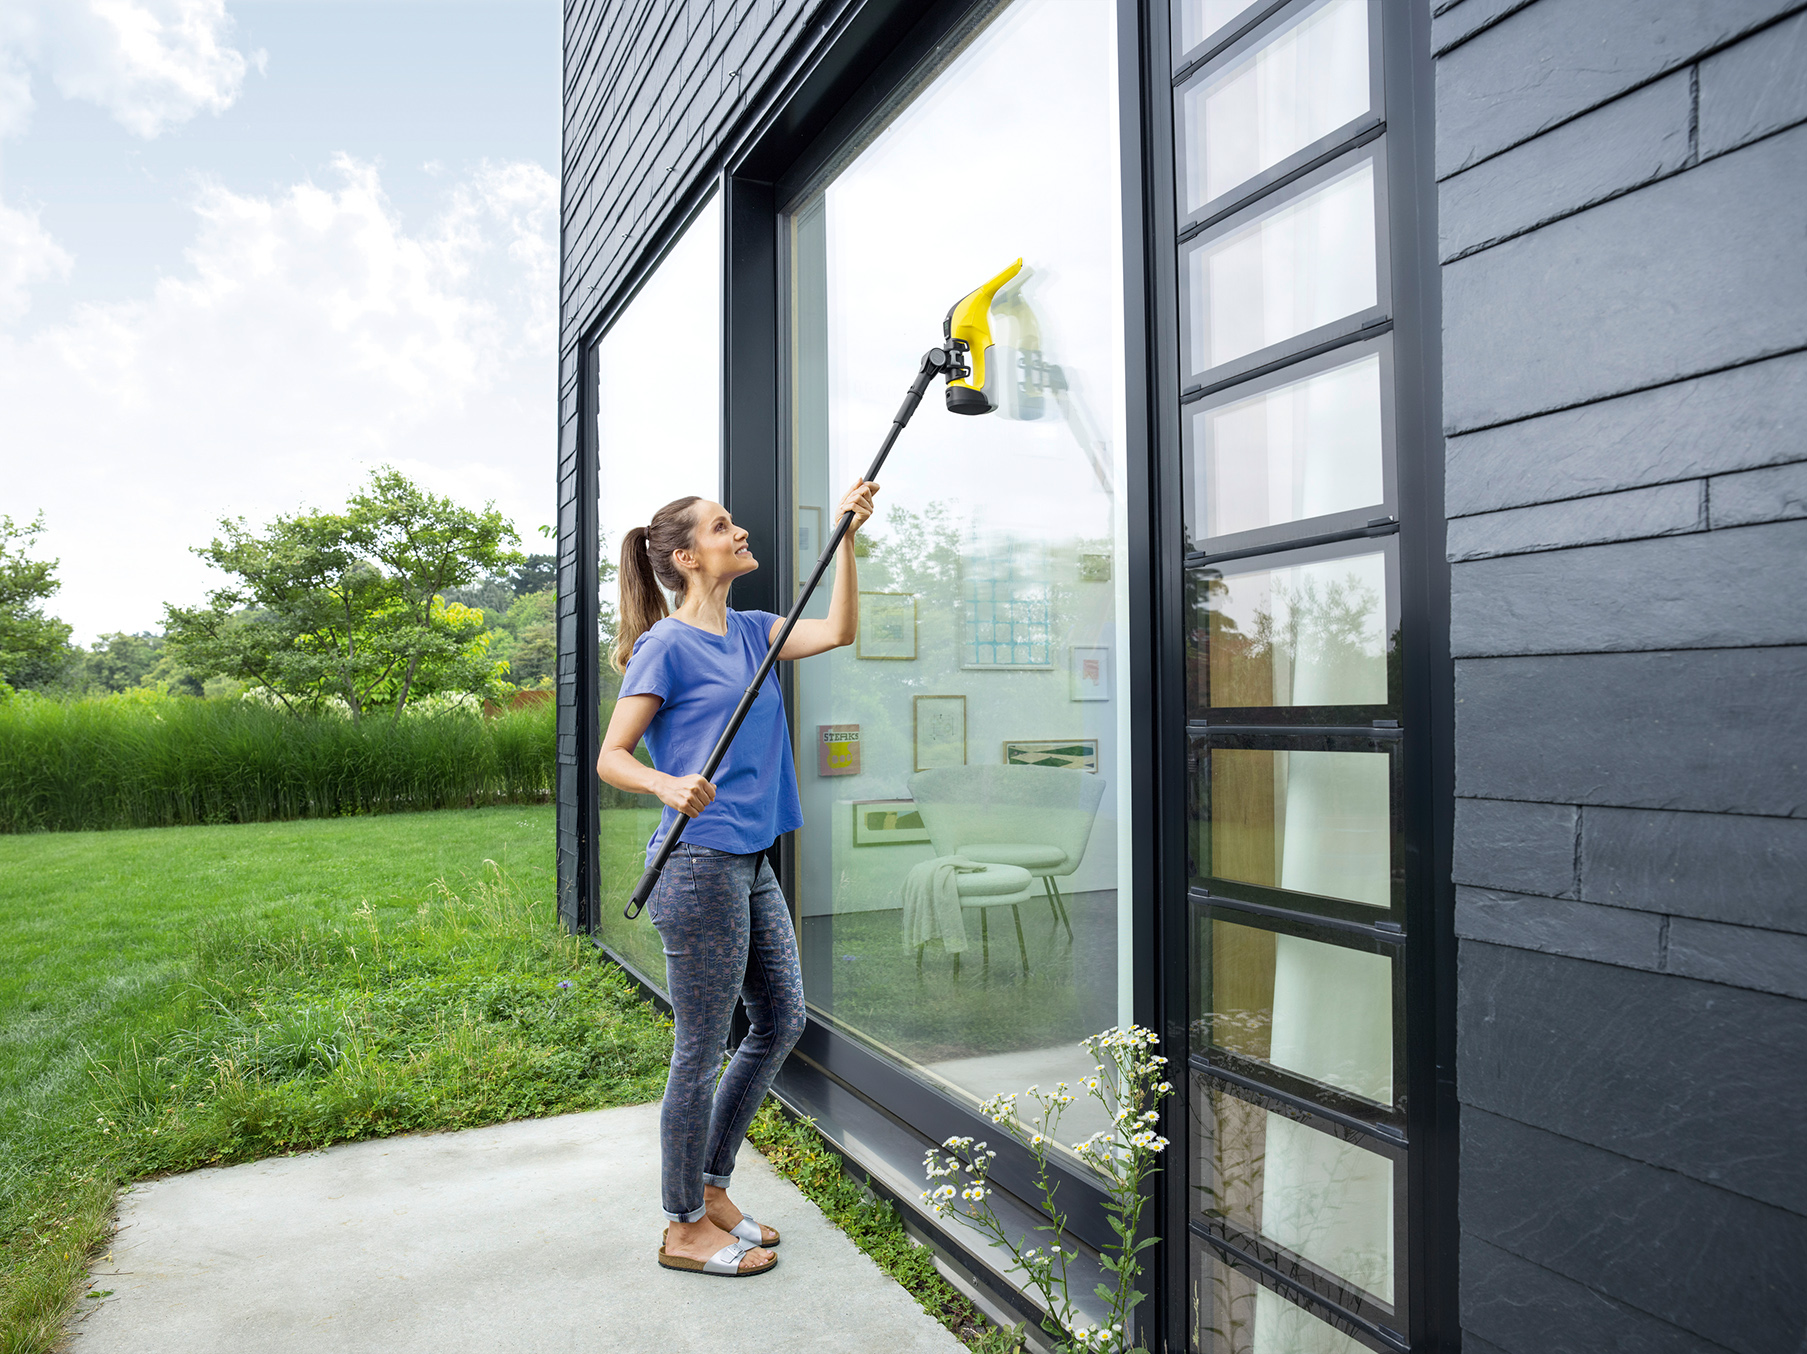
point(143, 760)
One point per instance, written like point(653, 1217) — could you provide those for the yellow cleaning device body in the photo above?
point(968, 330)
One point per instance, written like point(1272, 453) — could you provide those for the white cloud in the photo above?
point(27, 254)
point(309, 336)
point(150, 63)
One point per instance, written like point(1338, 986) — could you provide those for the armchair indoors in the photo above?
point(1036, 818)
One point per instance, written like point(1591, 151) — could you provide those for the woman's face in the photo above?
point(718, 548)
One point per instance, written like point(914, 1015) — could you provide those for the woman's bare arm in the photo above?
point(842, 624)
point(618, 766)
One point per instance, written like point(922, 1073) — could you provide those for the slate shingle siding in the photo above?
point(1623, 219)
point(654, 90)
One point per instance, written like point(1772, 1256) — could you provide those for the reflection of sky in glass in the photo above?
point(658, 407)
point(1199, 19)
point(1302, 83)
point(1303, 449)
point(987, 166)
point(1299, 265)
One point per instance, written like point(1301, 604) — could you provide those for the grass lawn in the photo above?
point(179, 997)
point(190, 996)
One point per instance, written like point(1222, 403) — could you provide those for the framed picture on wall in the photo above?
point(887, 822)
point(940, 723)
point(887, 626)
point(809, 533)
point(1090, 672)
point(837, 749)
point(1077, 754)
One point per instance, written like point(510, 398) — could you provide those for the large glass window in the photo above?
point(658, 437)
point(980, 716)
point(1293, 649)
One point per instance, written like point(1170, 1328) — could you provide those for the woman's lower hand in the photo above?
point(858, 501)
point(689, 795)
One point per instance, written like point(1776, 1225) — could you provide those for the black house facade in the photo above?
point(1367, 636)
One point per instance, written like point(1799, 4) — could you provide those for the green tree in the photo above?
point(34, 647)
point(120, 662)
point(350, 605)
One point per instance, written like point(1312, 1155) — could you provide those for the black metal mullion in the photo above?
point(1428, 698)
point(1392, 1141)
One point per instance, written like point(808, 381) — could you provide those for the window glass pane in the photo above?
point(1320, 1198)
point(983, 688)
point(1307, 822)
point(1199, 19)
point(1304, 449)
point(1314, 633)
point(1234, 1314)
point(1301, 84)
point(1316, 1010)
point(658, 437)
point(1297, 266)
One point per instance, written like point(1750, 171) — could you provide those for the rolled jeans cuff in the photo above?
point(719, 1181)
point(694, 1215)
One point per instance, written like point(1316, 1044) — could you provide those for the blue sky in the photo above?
point(251, 248)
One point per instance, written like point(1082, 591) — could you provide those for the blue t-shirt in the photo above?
point(699, 677)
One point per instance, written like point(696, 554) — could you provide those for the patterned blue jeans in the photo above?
point(726, 932)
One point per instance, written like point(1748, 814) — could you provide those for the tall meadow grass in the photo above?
point(151, 761)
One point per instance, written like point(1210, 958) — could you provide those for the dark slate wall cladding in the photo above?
point(1622, 188)
point(653, 92)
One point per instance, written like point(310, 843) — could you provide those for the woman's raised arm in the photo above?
point(842, 624)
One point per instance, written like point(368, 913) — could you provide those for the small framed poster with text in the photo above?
point(837, 749)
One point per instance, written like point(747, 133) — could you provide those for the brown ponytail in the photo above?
point(645, 565)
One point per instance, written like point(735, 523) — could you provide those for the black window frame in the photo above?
point(1407, 293)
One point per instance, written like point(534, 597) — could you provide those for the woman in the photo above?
point(719, 911)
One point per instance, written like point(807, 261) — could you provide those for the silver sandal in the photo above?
point(725, 1262)
point(748, 1229)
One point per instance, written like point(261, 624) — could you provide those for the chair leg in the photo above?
point(1066, 914)
point(956, 966)
point(1021, 948)
point(985, 946)
point(919, 949)
point(1048, 892)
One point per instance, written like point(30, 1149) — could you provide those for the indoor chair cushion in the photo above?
point(993, 881)
point(1028, 855)
point(1016, 807)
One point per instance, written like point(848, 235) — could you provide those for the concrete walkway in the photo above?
point(534, 1236)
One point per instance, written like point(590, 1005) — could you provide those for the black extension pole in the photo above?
point(934, 362)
